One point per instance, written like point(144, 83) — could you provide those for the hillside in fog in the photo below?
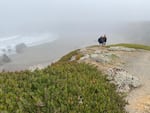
point(136, 32)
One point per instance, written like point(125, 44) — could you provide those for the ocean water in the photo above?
point(8, 44)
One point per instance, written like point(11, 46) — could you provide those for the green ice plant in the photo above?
point(63, 87)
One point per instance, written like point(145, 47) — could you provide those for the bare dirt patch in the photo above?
point(136, 62)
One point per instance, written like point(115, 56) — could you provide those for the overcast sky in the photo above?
point(40, 15)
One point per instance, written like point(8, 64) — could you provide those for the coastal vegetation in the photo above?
point(61, 88)
point(64, 87)
point(135, 46)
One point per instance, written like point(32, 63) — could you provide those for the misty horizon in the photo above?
point(51, 28)
point(27, 16)
point(70, 19)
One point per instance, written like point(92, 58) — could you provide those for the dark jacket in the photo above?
point(105, 38)
point(100, 40)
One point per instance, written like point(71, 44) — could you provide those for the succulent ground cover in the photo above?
point(64, 87)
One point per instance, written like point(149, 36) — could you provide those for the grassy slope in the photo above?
point(136, 46)
point(66, 87)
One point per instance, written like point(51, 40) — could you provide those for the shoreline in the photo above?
point(50, 52)
point(43, 55)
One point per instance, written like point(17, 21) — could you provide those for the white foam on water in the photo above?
point(8, 44)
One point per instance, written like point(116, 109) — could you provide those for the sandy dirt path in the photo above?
point(139, 99)
point(137, 63)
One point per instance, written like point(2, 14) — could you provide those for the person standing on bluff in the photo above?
point(102, 40)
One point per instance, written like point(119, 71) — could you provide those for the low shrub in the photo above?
point(136, 46)
point(66, 87)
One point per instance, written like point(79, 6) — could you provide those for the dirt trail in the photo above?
point(137, 63)
point(139, 99)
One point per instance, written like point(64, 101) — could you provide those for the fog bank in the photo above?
point(71, 18)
